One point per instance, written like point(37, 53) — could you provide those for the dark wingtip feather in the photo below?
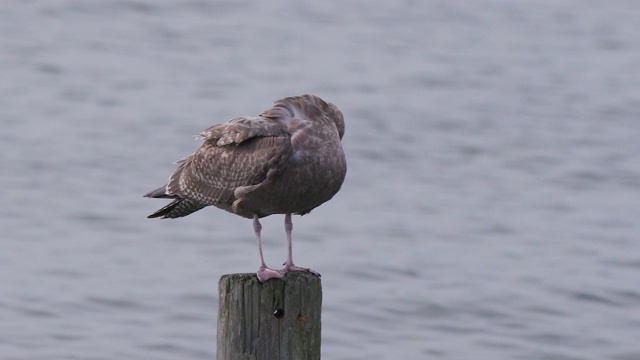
point(155, 215)
point(177, 208)
point(165, 211)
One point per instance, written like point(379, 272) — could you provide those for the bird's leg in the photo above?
point(264, 273)
point(288, 265)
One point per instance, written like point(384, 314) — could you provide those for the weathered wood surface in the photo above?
point(277, 320)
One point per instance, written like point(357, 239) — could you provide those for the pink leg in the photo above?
point(264, 273)
point(288, 265)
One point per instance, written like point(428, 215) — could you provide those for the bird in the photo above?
point(287, 160)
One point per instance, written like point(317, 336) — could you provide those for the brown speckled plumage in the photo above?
point(287, 160)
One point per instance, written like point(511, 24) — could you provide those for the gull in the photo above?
point(287, 160)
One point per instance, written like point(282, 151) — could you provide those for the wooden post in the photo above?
point(277, 320)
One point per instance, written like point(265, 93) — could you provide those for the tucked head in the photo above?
point(336, 115)
point(303, 106)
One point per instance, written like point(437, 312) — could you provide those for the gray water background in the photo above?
point(490, 210)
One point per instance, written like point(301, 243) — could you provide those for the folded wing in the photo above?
point(242, 152)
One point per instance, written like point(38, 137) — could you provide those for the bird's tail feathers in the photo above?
point(159, 193)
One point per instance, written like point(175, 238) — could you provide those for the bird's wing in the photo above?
point(240, 129)
point(242, 152)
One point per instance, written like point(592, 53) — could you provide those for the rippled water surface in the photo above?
point(490, 209)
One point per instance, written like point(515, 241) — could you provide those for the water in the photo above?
point(489, 212)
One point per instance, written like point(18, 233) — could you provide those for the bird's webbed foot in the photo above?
point(292, 267)
point(265, 273)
